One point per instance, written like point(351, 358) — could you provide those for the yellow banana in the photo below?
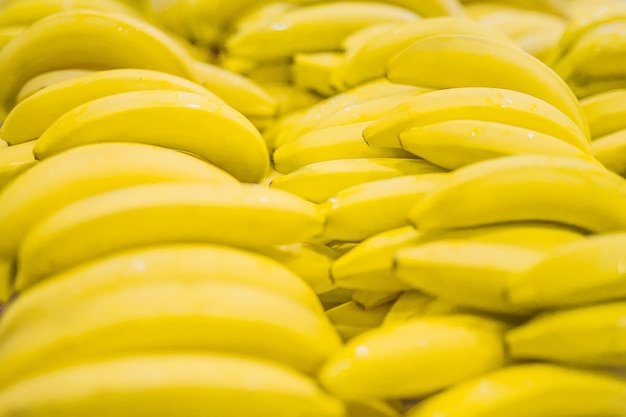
point(314, 28)
point(609, 150)
point(14, 160)
point(236, 90)
point(313, 71)
point(364, 210)
point(456, 143)
point(581, 272)
point(415, 358)
point(326, 144)
point(320, 181)
point(115, 41)
point(527, 188)
point(368, 61)
point(605, 112)
point(588, 336)
point(32, 116)
point(475, 103)
point(167, 385)
point(447, 61)
point(46, 79)
point(538, 390)
point(238, 215)
point(190, 122)
point(88, 171)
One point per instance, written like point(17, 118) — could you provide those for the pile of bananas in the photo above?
point(368, 208)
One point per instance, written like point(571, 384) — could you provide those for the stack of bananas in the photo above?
point(372, 208)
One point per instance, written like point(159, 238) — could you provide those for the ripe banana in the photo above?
point(351, 320)
point(178, 263)
point(415, 358)
point(238, 215)
point(456, 143)
point(169, 385)
point(52, 102)
point(14, 160)
point(314, 28)
point(475, 103)
point(239, 92)
point(538, 390)
point(46, 79)
point(588, 336)
point(115, 41)
point(88, 171)
point(326, 144)
point(190, 122)
point(581, 272)
point(368, 61)
point(527, 188)
point(364, 210)
point(610, 151)
point(320, 181)
point(313, 71)
point(605, 112)
point(447, 61)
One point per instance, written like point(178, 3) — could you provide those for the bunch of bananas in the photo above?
point(372, 208)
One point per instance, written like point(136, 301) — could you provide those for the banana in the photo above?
point(115, 41)
point(181, 263)
point(310, 261)
point(447, 61)
point(14, 160)
point(190, 122)
point(351, 320)
point(238, 318)
point(54, 101)
point(457, 143)
point(581, 272)
point(314, 28)
point(605, 111)
point(371, 299)
point(298, 124)
point(27, 12)
point(238, 215)
point(538, 390)
point(411, 304)
point(364, 210)
point(46, 79)
point(368, 61)
point(312, 71)
point(475, 103)
point(331, 143)
point(88, 171)
point(609, 150)
point(526, 188)
point(167, 385)
point(581, 336)
point(236, 90)
point(320, 181)
point(415, 358)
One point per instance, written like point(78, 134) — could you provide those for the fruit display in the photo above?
point(306, 208)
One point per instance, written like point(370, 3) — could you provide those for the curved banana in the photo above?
point(447, 61)
point(238, 215)
point(538, 390)
point(527, 187)
point(610, 150)
point(190, 122)
point(351, 320)
point(475, 103)
point(313, 28)
point(33, 115)
point(415, 358)
point(587, 336)
point(115, 41)
point(364, 210)
point(313, 71)
point(326, 144)
point(236, 90)
point(368, 61)
point(457, 143)
point(167, 384)
point(605, 112)
point(581, 272)
point(14, 160)
point(177, 263)
point(88, 171)
point(46, 79)
point(320, 181)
